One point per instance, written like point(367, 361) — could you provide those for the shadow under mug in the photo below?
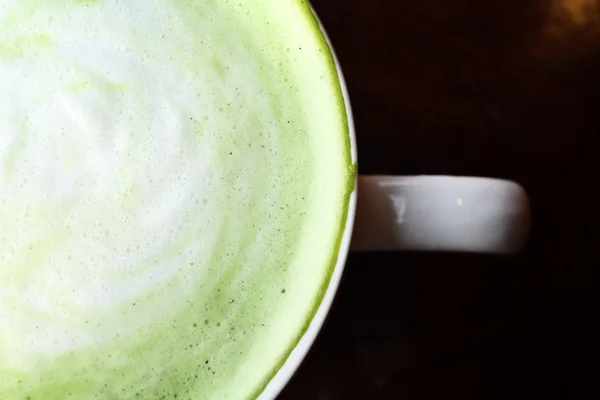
point(416, 213)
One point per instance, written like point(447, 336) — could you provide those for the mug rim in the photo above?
point(285, 373)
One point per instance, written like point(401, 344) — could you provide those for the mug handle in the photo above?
point(440, 213)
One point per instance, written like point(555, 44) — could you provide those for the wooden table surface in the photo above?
point(506, 89)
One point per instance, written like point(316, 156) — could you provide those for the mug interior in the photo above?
point(229, 226)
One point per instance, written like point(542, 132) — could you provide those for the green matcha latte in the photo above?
point(174, 182)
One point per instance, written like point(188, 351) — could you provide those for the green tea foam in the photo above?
point(174, 179)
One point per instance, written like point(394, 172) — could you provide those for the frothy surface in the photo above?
point(173, 183)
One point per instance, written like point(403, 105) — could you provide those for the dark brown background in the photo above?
point(505, 88)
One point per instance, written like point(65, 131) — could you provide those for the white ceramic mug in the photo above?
point(418, 213)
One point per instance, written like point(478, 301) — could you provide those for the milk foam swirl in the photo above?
point(158, 177)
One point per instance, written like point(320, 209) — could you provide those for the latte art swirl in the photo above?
point(173, 181)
